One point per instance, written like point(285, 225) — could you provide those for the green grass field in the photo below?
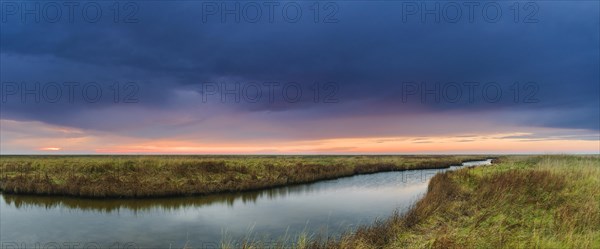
point(154, 176)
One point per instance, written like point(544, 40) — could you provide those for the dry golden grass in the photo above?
point(153, 176)
point(523, 202)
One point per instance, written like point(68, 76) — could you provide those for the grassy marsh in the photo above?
point(523, 202)
point(156, 176)
point(519, 202)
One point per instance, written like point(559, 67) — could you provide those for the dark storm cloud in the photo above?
point(370, 53)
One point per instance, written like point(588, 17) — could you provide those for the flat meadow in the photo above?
point(527, 201)
point(520, 202)
point(161, 176)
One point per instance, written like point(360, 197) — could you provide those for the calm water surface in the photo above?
point(327, 207)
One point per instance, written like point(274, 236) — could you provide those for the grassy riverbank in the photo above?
point(154, 176)
point(523, 202)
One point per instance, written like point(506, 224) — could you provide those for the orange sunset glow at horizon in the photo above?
point(64, 140)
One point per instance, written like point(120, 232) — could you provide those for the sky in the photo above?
point(299, 77)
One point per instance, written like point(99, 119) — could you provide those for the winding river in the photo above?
point(327, 208)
